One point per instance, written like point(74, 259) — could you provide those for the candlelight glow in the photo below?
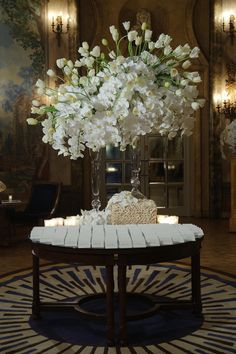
point(167, 219)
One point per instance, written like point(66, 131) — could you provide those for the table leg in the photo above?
point(36, 294)
point(122, 303)
point(196, 283)
point(110, 304)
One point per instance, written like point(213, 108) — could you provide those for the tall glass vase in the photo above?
point(135, 170)
point(95, 157)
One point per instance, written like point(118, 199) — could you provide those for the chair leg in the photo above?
point(36, 291)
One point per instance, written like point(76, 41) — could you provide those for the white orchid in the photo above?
point(117, 97)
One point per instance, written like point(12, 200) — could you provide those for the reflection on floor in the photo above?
point(218, 252)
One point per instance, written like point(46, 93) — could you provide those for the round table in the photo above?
point(122, 258)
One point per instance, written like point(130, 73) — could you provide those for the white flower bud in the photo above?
point(31, 121)
point(173, 72)
point(50, 73)
point(105, 42)
point(144, 26)
point(138, 40)
point(36, 103)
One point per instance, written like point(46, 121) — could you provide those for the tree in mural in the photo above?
point(24, 19)
point(20, 149)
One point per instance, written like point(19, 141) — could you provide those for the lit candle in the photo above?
point(10, 198)
point(166, 219)
point(50, 222)
point(71, 220)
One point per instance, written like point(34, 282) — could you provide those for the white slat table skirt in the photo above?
point(116, 236)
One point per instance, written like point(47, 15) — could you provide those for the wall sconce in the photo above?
point(225, 106)
point(228, 24)
point(57, 27)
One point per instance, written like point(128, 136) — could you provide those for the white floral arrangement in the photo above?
point(113, 98)
point(228, 137)
point(123, 198)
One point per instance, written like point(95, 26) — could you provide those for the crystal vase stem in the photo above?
point(135, 170)
point(95, 178)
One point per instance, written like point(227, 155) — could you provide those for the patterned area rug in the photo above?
point(175, 331)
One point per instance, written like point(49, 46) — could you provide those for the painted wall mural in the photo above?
point(22, 61)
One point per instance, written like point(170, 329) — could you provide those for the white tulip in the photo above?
point(186, 64)
point(70, 64)
point(194, 52)
point(96, 52)
point(126, 25)
point(147, 35)
point(138, 40)
point(167, 50)
point(132, 35)
point(61, 63)
point(85, 46)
